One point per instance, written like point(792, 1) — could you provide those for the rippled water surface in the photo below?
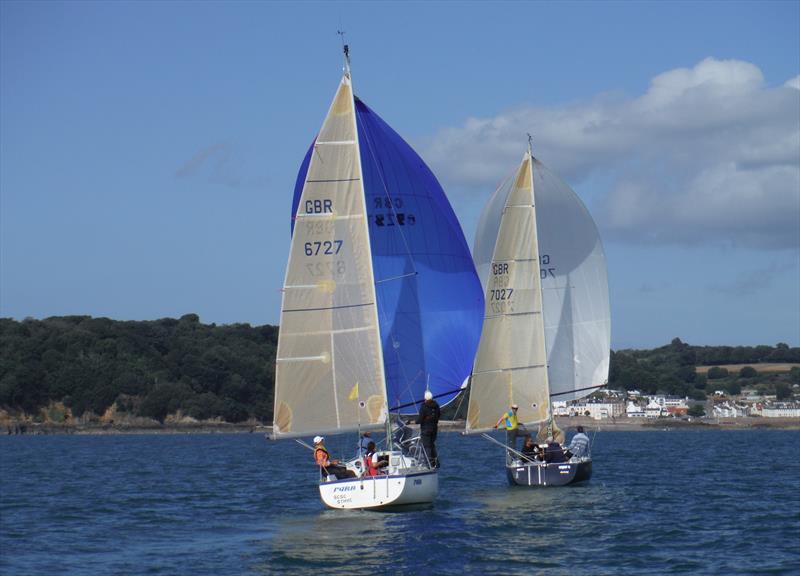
point(666, 502)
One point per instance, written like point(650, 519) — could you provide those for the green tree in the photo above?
point(783, 391)
point(733, 388)
point(716, 373)
point(748, 372)
point(696, 410)
point(165, 398)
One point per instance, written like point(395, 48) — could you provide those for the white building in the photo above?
point(726, 410)
point(669, 401)
point(634, 411)
point(560, 408)
point(783, 410)
point(653, 409)
point(675, 402)
point(596, 410)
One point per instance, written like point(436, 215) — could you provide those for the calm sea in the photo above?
point(664, 502)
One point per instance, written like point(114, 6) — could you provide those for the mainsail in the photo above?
point(547, 328)
point(381, 298)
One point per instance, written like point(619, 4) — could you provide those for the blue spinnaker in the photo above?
point(430, 301)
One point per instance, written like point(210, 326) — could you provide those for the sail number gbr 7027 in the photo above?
point(499, 293)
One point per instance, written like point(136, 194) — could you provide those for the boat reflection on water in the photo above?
point(332, 538)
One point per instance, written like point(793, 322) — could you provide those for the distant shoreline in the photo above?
point(567, 424)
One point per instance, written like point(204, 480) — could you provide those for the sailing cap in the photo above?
point(318, 439)
point(514, 406)
point(428, 395)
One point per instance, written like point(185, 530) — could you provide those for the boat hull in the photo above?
point(381, 491)
point(553, 474)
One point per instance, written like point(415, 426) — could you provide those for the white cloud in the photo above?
point(708, 154)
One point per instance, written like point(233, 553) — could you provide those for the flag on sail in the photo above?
point(353, 393)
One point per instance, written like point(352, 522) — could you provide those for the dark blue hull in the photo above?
point(554, 474)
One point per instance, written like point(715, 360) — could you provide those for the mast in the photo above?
point(539, 295)
point(387, 423)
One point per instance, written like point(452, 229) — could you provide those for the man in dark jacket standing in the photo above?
point(428, 421)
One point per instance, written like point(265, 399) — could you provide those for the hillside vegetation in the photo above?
point(78, 366)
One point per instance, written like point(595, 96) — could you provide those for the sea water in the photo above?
point(659, 502)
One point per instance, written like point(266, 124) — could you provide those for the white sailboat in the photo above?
point(546, 331)
point(369, 321)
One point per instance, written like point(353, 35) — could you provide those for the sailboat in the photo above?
point(381, 301)
point(546, 332)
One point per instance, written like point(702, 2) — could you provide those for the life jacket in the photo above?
point(511, 420)
point(369, 467)
point(326, 456)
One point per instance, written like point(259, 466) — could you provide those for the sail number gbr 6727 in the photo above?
point(326, 247)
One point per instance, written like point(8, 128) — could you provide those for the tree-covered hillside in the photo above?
point(160, 367)
point(671, 369)
point(150, 368)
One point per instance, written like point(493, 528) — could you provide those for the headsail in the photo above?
point(511, 366)
point(329, 306)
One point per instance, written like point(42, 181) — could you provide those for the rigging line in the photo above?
point(407, 388)
point(420, 402)
point(463, 396)
point(577, 390)
point(395, 278)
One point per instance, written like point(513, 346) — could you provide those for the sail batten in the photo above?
point(510, 369)
point(330, 308)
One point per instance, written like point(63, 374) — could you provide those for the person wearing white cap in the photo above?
point(512, 426)
point(327, 465)
point(428, 421)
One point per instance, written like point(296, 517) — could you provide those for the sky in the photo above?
point(148, 150)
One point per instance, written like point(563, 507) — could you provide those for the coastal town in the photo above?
point(614, 404)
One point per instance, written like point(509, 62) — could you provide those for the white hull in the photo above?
point(381, 491)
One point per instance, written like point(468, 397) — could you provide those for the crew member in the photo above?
point(512, 427)
point(428, 421)
point(326, 464)
point(579, 446)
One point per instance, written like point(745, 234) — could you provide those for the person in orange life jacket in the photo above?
point(326, 464)
point(374, 468)
point(428, 420)
point(512, 426)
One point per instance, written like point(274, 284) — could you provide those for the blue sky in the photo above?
point(148, 150)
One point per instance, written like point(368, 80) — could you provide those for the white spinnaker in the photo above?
point(510, 366)
point(329, 359)
point(574, 282)
point(577, 314)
